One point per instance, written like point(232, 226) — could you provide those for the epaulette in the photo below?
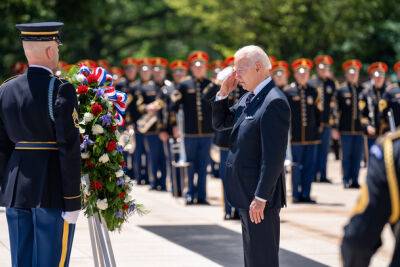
point(287, 87)
point(9, 79)
point(187, 78)
point(391, 86)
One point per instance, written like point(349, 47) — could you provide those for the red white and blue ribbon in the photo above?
point(118, 98)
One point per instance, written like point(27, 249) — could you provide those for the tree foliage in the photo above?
point(113, 29)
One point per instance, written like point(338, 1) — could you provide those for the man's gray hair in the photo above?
point(254, 53)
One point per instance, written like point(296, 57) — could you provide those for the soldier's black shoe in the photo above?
point(203, 202)
point(355, 185)
point(297, 200)
point(346, 185)
point(309, 200)
point(325, 180)
point(189, 201)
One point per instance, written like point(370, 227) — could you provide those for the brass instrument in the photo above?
point(146, 121)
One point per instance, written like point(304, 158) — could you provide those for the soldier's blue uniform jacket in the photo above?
point(306, 116)
point(390, 102)
point(379, 203)
point(194, 95)
point(326, 91)
point(371, 113)
point(349, 106)
point(39, 158)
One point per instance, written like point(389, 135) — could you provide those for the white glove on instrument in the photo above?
point(70, 216)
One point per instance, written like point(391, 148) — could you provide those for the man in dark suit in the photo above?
point(40, 154)
point(255, 182)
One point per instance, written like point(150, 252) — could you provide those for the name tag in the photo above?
point(249, 118)
point(347, 95)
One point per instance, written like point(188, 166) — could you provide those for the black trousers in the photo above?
point(261, 241)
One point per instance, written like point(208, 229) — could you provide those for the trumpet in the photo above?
point(146, 121)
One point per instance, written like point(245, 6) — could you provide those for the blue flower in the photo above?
point(86, 142)
point(120, 149)
point(119, 214)
point(99, 92)
point(106, 120)
point(120, 181)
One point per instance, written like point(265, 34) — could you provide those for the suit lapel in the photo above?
point(253, 104)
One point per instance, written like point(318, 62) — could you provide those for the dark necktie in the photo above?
point(249, 98)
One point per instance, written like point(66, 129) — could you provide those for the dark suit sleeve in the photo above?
point(362, 234)
point(223, 117)
point(274, 127)
point(177, 97)
point(6, 148)
point(67, 134)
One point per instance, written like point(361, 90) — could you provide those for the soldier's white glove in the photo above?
point(70, 216)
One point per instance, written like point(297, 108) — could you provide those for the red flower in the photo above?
point(82, 89)
point(113, 128)
point(97, 185)
point(122, 163)
point(125, 207)
point(92, 79)
point(122, 195)
point(111, 146)
point(96, 109)
point(90, 164)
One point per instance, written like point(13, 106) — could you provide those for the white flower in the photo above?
point(104, 158)
point(81, 130)
point(119, 173)
point(85, 155)
point(97, 129)
point(80, 77)
point(102, 204)
point(88, 117)
point(128, 188)
point(128, 198)
point(127, 179)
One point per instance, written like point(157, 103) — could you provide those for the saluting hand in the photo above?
point(228, 85)
point(256, 211)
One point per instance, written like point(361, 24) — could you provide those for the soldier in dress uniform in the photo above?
point(349, 106)
point(390, 106)
point(303, 100)
point(378, 204)
point(117, 73)
point(179, 69)
point(40, 154)
point(326, 87)
point(280, 73)
point(198, 130)
point(149, 105)
point(372, 96)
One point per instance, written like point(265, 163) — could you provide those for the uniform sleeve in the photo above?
point(67, 134)
point(6, 148)
point(362, 234)
point(177, 97)
point(274, 140)
point(365, 104)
